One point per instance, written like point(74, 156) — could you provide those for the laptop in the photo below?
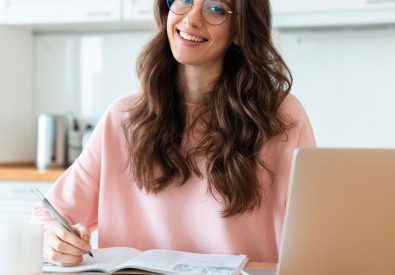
point(340, 213)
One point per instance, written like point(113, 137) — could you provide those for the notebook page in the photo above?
point(105, 259)
point(177, 262)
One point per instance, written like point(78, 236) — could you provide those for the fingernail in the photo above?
point(87, 247)
point(85, 237)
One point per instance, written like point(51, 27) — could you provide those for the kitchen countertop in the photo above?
point(27, 171)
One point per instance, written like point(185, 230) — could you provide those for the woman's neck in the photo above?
point(196, 81)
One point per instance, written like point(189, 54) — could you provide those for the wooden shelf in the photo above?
point(28, 172)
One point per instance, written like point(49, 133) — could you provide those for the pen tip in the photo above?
point(90, 254)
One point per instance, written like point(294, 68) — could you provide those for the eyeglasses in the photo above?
point(214, 12)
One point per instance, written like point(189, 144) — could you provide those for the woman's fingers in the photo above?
point(70, 238)
point(82, 231)
point(64, 248)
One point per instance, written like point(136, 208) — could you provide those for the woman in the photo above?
point(200, 160)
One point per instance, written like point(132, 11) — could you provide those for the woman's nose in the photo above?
point(194, 17)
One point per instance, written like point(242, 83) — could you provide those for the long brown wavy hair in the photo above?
point(240, 114)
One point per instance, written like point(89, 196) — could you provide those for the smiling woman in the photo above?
point(200, 160)
point(199, 34)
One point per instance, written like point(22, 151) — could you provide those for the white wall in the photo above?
point(56, 74)
point(83, 73)
point(346, 81)
point(16, 129)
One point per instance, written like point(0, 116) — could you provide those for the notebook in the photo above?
point(127, 260)
point(340, 214)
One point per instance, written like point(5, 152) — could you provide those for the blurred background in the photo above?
point(74, 57)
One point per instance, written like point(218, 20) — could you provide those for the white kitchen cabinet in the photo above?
point(61, 11)
point(291, 6)
point(313, 13)
point(138, 10)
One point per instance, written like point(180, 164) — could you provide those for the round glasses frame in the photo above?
point(228, 12)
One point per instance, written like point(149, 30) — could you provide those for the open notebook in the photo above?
point(125, 260)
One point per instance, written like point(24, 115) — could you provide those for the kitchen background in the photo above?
point(77, 56)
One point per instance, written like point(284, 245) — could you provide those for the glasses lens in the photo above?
point(215, 12)
point(179, 6)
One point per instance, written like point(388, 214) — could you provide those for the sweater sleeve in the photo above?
point(306, 135)
point(74, 196)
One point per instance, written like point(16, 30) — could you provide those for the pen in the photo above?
point(55, 213)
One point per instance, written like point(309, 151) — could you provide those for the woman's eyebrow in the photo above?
point(224, 1)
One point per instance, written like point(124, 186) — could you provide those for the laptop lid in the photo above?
point(340, 213)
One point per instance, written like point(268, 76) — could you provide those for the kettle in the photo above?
point(51, 141)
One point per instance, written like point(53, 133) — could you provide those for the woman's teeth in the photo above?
point(191, 38)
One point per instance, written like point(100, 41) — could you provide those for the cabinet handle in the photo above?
point(381, 1)
point(98, 13)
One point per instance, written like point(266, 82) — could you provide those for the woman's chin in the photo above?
point(188, 62)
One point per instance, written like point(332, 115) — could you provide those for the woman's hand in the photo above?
point(64, 248)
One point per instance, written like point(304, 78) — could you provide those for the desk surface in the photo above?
point(251, 266)
point(258, 265)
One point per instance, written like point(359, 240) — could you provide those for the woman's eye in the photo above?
point(188, 2)
point(217, 10)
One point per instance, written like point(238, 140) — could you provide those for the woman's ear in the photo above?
point(236, 40)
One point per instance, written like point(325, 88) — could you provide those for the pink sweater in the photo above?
point(99, 193)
